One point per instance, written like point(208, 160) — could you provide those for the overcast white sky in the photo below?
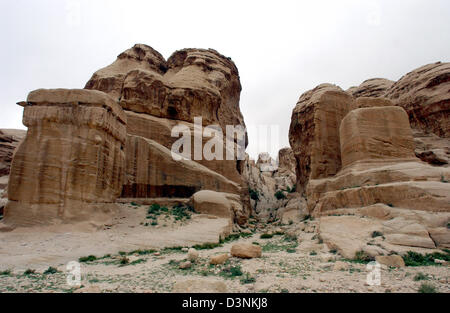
point(281, 48)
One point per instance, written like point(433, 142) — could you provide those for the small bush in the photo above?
point(50, 270)
point(5, 273)
point(313, 253)
point(362, 257)
point(254, 194)
point(377, 234)
point(266, 236)
point(29, 272)
point(85, 259)
point(420, 276)
point(280, 195)
point(427, 288)
point(206, 246)
point(124, 261)
point(247, 279)
point(231, 272)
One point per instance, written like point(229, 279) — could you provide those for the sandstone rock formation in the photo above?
point(70, 166)
point(314, 132)
point(375, 87)
point(376, 173)
point(424, 94)
point(158, 95)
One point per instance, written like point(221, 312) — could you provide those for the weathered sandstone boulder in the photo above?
point(70, 166)
point(219, 204)
point(375, 87)
point(314, 132)
point(200, 286)
point(424, 94)
point(390, 260)
point(246, 251)
point(219, 259)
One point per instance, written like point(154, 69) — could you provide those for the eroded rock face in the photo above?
point(70, 166)
point(374, 134)
point(314, 132)
point(374, 87)
point(9, 140)
point(151, 172)
point(424, 94)
point(192, 82)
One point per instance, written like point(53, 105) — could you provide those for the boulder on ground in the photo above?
point(246, 251)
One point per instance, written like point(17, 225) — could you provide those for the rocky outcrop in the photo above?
point(9, 140)
point(220, 205)
point(314, 132)
point(192, 82)
point(70, 166)
point(424, 94)
point(375, 87)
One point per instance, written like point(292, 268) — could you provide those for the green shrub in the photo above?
point(313, 253)
point(427, 288)
point(280, 195)
point(231, 272)
point(377, 234)
point(124, 261)
point(416, 259)
point(29, 272)
point(85, 259)
point(206, 246)
point(254, 194)
point(5, 273)
point(50, 270)
point(266, 236)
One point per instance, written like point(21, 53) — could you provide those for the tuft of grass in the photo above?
point(181, 212)
point(313, 253)
point(420, 276)
point(377, 234)
point(231, 272)
point(427, 288)
point(89, 258)
point(280, 195)
point(51, 270)
point(247, 279)
point(443, 180)
point(266, 236)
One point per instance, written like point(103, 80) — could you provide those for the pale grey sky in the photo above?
point(281, 48)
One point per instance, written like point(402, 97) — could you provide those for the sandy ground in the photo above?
point(292, 261)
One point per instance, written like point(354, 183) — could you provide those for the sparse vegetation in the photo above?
point(377, 234)
point(266, 236)
point(89, 258)
point(5, 273)
point(362, 257)
point(420, 276)
point(443, 180)
point(416, 259)
point(427, 288)
point(280, 195)
point(50, 271)
point(29, 272)
point(231, 272)
point(254, 194)
point(313, 253)
point(247, 279)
